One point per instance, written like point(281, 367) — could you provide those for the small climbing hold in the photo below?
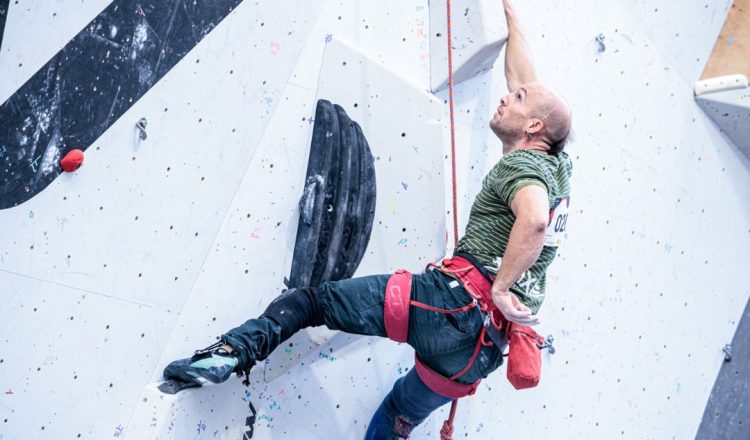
point(141, 126)
point(72, 161)
point(727, 352)
point(600, 46)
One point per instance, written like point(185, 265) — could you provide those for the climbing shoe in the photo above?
point(212, 364)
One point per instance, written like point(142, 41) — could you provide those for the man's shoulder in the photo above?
point(512, 159)
point(520, 161)
point(520, 155)
point(539, 160)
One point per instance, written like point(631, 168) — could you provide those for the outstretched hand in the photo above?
point(513, 310)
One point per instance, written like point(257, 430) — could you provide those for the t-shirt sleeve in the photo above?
point(514, 173)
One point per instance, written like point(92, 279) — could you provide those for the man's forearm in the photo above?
point(519, 69)
point(524, 246)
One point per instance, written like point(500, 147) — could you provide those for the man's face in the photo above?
point(509, 120)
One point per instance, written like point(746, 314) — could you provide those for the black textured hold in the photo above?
point(337, 207)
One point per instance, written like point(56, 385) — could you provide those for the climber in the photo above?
point(512, 236)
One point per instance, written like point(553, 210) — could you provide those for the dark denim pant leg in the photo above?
point(353, 305)
point(254, 340)
point(406, 406)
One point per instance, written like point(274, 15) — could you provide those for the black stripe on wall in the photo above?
point(91, 82)
point(3, 16)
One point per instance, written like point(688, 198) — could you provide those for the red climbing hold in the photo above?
point(72, 161)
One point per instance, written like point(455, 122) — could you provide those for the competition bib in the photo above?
point(558, 219)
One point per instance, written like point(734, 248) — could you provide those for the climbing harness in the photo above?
point(524, 355)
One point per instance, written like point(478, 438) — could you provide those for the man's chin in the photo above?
point(495, 126)
point(498, 131)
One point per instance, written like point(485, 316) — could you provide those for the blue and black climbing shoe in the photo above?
point(212, 364)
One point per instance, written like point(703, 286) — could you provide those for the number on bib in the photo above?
point(558, 220)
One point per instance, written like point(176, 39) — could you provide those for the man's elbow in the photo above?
point(535, 225)
point(539, 227)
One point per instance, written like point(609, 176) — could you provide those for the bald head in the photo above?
point(551, 109)
point(533, 116)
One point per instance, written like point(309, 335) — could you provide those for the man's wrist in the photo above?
point(500, 292)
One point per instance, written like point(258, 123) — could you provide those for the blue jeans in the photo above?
point(406, 406)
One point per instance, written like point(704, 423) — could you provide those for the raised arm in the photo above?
point(519, 69)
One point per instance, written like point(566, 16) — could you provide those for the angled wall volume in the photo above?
point(729, 104)
point(478, 31)
point(730, 110)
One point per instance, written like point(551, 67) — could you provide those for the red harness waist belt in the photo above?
point(396, 307)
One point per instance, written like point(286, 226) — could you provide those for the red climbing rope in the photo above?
point(447, 432)
point(453, 128)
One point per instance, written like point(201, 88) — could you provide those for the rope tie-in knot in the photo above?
point(446, 433)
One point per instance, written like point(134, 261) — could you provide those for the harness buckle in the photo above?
point(486, 319)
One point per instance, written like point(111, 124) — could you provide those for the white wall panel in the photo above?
point(392, 33)
point(684, 31)
point(70, 359)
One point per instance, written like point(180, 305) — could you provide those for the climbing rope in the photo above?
point(447, 432)
point(453, 128)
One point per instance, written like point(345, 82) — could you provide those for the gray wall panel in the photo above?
point(727, 414)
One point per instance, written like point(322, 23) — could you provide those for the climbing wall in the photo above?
point(158, 245)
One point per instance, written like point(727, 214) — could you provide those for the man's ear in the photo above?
point(534, 126)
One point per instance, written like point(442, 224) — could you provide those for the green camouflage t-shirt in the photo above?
point(491, 217)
